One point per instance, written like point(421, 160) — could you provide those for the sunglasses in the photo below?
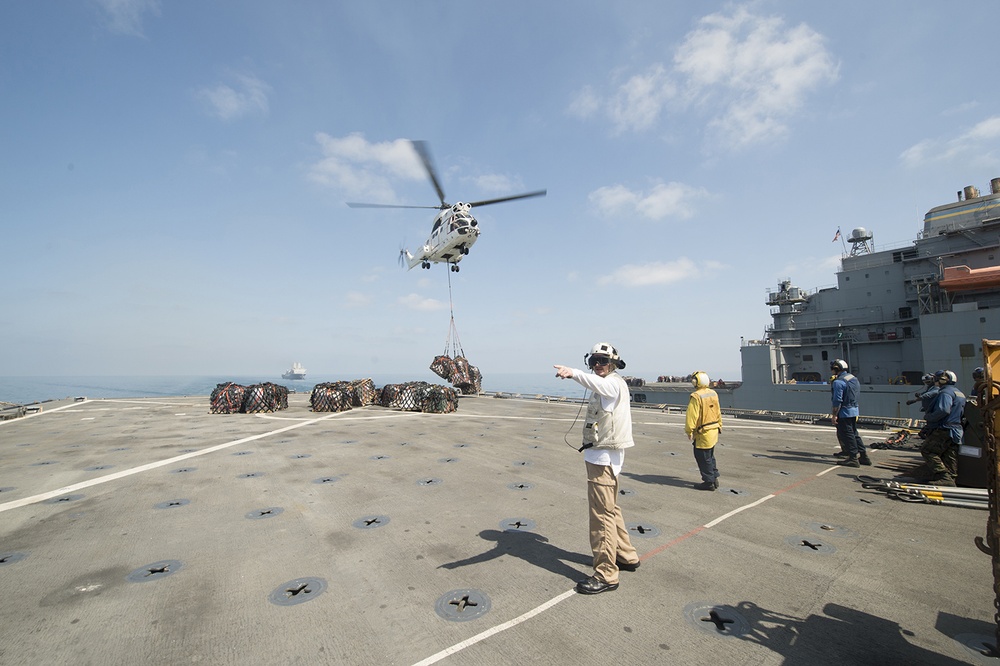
point(598, 360)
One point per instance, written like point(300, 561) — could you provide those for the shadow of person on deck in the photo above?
point(659, 479)
point(840, 635)
point(530, 547)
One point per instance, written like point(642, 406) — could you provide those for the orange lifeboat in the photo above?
point(963, 278)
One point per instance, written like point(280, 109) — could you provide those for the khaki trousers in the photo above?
point(608, 535)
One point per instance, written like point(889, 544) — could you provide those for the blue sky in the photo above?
point(173, 175)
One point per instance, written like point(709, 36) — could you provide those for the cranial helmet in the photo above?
point(604, 349)
point(699, 379)
point(927, 379)
point(978, 374)
point(839, 365)
point(947, 377)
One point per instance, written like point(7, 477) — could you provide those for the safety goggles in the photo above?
point(595, 361)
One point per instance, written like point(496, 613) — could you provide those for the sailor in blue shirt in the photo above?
point(845, 389)
point(944, 431)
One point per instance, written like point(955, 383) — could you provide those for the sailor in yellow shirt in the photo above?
point(703, 425)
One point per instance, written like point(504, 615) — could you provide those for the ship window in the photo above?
point(866, 275)
point(966, 350)
point(826, 356)
point(807, 357)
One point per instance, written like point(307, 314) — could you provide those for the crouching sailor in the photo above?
point(607, 432)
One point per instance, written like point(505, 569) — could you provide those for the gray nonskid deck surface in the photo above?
point(150, 531)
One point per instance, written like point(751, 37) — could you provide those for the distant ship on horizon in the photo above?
point(297, 372)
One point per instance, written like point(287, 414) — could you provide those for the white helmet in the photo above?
point(947, 377)
point(699, 379)
point(839, 365)
point(604, 349)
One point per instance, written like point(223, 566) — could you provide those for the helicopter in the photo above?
point(455, 230)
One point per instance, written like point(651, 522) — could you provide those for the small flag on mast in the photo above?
point(836, 236)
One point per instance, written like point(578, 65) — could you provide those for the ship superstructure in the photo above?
point(894, 315)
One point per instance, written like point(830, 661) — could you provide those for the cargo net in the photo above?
point(341, 396)
point(463, 376)
point(232, 398)
point(419, 397)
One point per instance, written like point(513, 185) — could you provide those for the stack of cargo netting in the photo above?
point(463, 376)
point(419, 397)
point(232, 398)
point(341, 396)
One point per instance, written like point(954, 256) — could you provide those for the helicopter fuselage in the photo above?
point(455, 230)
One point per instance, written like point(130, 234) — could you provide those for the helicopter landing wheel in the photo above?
point(454, 267)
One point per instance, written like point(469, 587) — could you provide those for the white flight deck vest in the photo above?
point(609, 430)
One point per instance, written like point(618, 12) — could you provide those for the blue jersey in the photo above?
point(845, 390)
point(946, 412)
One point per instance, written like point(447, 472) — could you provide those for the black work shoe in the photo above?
point(850, 462)
point(865, 460)
point(842, 454)
point(626, 566)
point(942, 480)
point(705, 485)
point(594, 586)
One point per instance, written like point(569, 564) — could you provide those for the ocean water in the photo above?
point(24, 390)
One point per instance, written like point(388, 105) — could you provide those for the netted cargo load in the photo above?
point(342, 395)
point(329, 397)
point(443, 366)
point(474, 384)
point(363, 392)
point(227, 398)
point(265, 398)
point(419, 397)
point(462, 375)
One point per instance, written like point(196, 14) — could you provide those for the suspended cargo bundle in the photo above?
point(443, 366)
point(462, 375)
point(227, 398)
point(265, 398)
point(475, 383)
point(329, 397)
point(419, 397)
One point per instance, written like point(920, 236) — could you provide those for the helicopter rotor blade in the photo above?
point(375, 205)
point(425, 156)
point(487, 202)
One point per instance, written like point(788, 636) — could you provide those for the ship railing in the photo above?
point(870, 422)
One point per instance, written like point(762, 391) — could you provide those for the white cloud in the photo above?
point(356, 167)
point(975, 145)
point(125, 16)
point(663, 200)
point(750, 73)
point(658, 272)
point(497, 183)
point(417, 302)
point(640, 100)
point(247, 95)
point(756, 69)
